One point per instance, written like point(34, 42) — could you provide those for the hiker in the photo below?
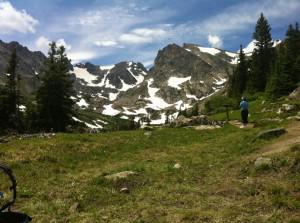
point(244, 111)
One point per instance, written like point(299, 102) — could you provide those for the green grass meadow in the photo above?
point(217, 181)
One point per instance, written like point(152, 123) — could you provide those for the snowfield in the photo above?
point(109, 110)
point(157, 103)
point(176, 81)
point(212, 51)
point(220, 81)
point(91, 126)
point(82, 73)
point(82, 103)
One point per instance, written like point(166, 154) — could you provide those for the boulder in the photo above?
point(295, 94)
point(262, 162)
point(182, 121)
point(296, 118)
point(200, 120)
point(286, 108)
point(120, 175)
point(177, 166)
point(271, 133)
point(124, 190)
point(194, 120)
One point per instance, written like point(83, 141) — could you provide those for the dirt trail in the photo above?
point(284, 142)
point(238, 124)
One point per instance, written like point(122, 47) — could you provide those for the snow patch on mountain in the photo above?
point(231, 54)
point(82, 103)
point(192, 97)
point(160, 121)
point(106, 67)
point(82, 73)
point(180, 105)
point(220, 81)
point(91, 126)
point(109, 110)
point(113, 96)
point(176, 81)
point(140, 111)
point(95, 125)
point(157, 103)
point(249, 48)
point(209, 50)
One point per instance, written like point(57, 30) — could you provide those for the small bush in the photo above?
point(216, 104)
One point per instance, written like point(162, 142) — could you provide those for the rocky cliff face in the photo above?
point(180, 77)
point(30, 64)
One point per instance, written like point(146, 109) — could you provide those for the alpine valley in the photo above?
point(180, 77)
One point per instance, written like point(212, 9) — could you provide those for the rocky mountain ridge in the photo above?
point(181, 76)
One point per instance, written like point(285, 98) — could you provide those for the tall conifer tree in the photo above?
point(55, 106)
point(262, 56)
point(292, 43)
point(239, 78)
point(10, 96)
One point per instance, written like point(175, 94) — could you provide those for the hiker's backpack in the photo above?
point(6, 215)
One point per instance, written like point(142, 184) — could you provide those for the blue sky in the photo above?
point(109, 31)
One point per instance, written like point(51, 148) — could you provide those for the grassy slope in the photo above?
point(217, 181)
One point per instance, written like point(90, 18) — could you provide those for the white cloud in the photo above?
point(79, 56)
point(215, 41)
point(62, 42)
point(241, 16)
point(106, 43)
point(13, 20)
point(103, 26)
point(142, 35)
point(42, 44)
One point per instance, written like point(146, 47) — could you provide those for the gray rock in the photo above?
point(262, 162)
point(295, 94)
point(296, 118)
point(271, 133)
point(177, 166)
point(124, 190)
point(120, 175)
point(182, 121)
point(74, 208)
point(286, 108)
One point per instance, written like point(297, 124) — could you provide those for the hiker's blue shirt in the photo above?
point(244, 105)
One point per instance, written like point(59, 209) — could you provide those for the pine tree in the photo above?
point(238, 81)
point(261, 57)
point(282, 82)
point(292, 44)
point(4, 109)
point(10, 96)
point(54, 103)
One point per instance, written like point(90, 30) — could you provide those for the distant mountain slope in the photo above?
point(30, 64)
point(180, 77)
